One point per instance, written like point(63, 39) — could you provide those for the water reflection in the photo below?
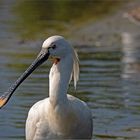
point(131, 78)
point(38, 18)
point(131, 57)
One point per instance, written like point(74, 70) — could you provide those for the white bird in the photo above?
point(60, 116)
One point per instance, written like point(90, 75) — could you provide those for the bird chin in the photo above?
point(56, 61)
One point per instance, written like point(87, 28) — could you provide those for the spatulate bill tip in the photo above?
point(2, 101)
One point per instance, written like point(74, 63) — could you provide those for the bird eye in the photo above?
point(54, 46)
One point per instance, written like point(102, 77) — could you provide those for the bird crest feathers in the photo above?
point(75, 71)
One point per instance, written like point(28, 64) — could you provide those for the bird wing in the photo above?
point(85, 117)
point(31, 122)
point(36, 123)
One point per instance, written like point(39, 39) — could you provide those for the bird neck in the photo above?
point(59, 78)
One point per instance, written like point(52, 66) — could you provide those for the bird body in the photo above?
point(70, 121)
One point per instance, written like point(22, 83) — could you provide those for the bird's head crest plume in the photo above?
point(75, 71)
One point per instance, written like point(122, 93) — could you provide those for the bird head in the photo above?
point(57, 46)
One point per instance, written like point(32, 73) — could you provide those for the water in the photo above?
point(108, 83)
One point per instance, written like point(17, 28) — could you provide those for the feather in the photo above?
point(75, 71)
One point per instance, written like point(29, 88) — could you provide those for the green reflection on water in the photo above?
point(39, 18)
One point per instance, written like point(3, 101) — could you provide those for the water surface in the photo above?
point(108, 83)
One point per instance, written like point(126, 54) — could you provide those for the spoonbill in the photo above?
point(60, 116)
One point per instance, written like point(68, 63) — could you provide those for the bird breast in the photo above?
point(62, 120)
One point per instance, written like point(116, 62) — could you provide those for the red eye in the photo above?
point(54, 46)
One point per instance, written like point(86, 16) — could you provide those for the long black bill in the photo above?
point(42, 57)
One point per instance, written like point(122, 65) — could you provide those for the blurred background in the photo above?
point(106, 35)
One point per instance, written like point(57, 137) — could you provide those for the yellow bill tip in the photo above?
point(2, 102)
